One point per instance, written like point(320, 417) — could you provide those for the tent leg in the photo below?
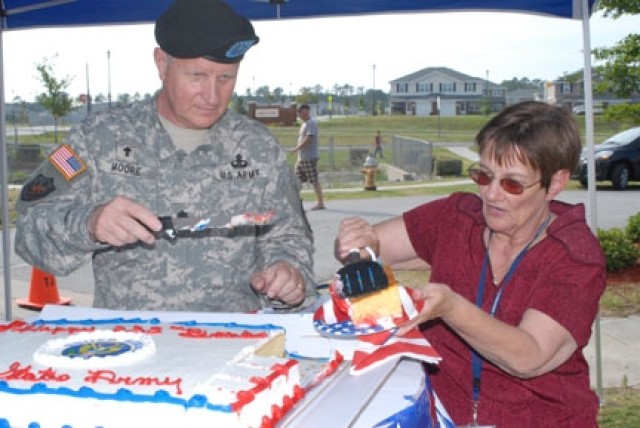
point(591, 185)
point(6, 238)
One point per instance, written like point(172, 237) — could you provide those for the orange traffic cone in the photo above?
point(42, 291)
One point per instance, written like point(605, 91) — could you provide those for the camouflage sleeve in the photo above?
point(53, 209)
point(291, 239)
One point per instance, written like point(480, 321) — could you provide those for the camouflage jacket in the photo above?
point(127, 152)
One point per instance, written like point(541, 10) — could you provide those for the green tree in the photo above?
point(278, 94)
point(306, 95)
point(239, 105)
point(264, 93)
point(617, 8)
point(123, 100)
point(56, 100)
point(620, 71)
point(522, 83)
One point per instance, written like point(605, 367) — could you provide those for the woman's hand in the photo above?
point(388, 240)
point(355, 232)
point(434, 300)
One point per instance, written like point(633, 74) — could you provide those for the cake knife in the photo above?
point(213, 226)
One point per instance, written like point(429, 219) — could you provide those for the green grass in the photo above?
point(360, 130)
point(620, 408)
point(621, 301)
point(340, 161)
point(44, 138)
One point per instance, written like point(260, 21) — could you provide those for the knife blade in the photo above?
point(174, 227)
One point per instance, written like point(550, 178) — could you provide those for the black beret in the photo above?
point(204, 28)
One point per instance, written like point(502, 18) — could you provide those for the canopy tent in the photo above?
point(55, 13)
point(26, 14)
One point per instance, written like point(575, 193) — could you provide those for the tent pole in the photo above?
point(592, 211)
point(6, 238)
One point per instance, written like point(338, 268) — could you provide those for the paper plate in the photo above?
point(345, 329)
point(332, 321)
point(335, 324)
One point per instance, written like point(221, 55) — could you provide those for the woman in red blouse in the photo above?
point(515, 281)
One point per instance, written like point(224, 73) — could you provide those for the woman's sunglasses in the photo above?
point(483, 177)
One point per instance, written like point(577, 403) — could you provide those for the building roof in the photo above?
point(432, 70)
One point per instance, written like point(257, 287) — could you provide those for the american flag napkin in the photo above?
point(375, 349)
point(377, 344)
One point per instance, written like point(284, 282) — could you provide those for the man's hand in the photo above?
point(280, 281)
point(122, 221)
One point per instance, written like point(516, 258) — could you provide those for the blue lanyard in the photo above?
point(476, 361)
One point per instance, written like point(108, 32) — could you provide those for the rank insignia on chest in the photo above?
point(67, 162)
point(239, 163)
point(37, 188)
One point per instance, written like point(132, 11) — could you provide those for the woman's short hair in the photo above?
point(538, 134)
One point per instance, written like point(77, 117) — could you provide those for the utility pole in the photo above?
point(373, 108)
point(88, 91)
point(488, 101)
point(109, 78)
point(15, 123)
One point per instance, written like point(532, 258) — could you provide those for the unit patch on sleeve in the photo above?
point(39, 187)
point(67, 162)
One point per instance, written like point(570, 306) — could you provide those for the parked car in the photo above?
point(581, 109)
point(616, 159)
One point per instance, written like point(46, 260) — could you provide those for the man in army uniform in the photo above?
point(182, 154)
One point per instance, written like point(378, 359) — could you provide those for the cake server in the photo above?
point(360, 277)
point(174, 227)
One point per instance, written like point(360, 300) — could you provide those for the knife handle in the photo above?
point(167, 227)
point(353, 256)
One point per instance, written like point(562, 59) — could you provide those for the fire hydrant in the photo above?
point(370, 169)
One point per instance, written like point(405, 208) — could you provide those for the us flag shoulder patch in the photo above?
point(67, 162)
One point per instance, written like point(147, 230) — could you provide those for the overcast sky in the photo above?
point(362, 51)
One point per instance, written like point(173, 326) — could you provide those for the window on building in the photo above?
point(424, 87)
point(566, 87)
point(448, 87)
point(402, 87)
point(470, 87)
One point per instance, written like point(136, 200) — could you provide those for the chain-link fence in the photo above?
point(340, 163)
point(412, 155)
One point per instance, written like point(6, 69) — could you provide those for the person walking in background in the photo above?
point(308, 154)
point(378, 145)
point(182, 153)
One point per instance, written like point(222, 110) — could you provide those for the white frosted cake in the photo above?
point(125, 373)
